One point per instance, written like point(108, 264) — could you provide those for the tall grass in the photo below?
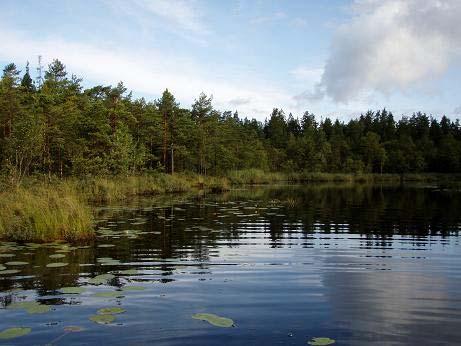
point(102, 189)
point(44, 213)
point(255, 176)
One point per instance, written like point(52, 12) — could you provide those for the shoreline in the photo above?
point(44, 211)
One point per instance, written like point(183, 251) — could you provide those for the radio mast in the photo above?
point(39, 72)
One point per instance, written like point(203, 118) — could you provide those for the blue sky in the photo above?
point(334, 58)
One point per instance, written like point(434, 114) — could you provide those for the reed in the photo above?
point(44, 213)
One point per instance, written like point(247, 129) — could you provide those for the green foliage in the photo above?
point(58, 129)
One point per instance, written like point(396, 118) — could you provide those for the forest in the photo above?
point(51, 125)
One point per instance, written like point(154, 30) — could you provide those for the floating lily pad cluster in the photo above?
point(106, 315)
point(128, 272)
point(32, 307)
point(72, 290)
point(101, 279)
point(108, 232)
point(57, 265)
point(16, 263)
point(57, 255)
point(109, 294)
point(9, 271)
point(8, 251)
point(133, 288)
point(106, 261)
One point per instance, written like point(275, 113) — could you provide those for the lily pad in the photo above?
point(9, 271)
point(7, 255)
point(57, 255)
point(102, 319)
point(215, 320)
point(72, 290)
point(56, 265)
point(133, 288)
point(31, 307)
point(73, 329)
point(104, 259)
point(101, 279)
point(16, 263)
point(109, 294)
point(2, 267)
point(22, 305)
point(110, 263)
point(106, 245)
point(38, 309)
point(111, 311)
point(129, 272)
point(12, 333)
point(321, 341)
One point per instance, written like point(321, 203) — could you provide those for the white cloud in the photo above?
point(184, 18)
point(150, 72)
point(392, 45)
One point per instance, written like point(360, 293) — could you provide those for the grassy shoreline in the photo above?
point(60, 210)
point(44, 214)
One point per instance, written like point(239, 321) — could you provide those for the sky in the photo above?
point(335, 58)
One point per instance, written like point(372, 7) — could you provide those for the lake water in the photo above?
point(358, 264)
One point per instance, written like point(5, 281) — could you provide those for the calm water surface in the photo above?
point(362, 265)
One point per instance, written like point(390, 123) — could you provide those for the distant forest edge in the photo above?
point(54, 126)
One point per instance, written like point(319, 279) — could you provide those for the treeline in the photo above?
point(54, 126)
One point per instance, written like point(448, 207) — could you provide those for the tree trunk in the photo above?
point(165, 134)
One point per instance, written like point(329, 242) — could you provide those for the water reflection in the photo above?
point(358, 263)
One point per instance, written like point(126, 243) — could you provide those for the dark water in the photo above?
point(362, 265)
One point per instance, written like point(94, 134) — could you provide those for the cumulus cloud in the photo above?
point(391, 45)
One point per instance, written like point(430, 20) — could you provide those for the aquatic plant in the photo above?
point(102, 319)
point(215, 320)
point(56, 265)
point(9, 271)
point(133, 288)
point(32, 307)
point(15, 332)
point(109, 294)
point(321, 341)
point(111, 311)
point(101, 279)
point(72, 290)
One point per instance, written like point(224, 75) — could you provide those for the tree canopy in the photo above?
point(59, 128)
